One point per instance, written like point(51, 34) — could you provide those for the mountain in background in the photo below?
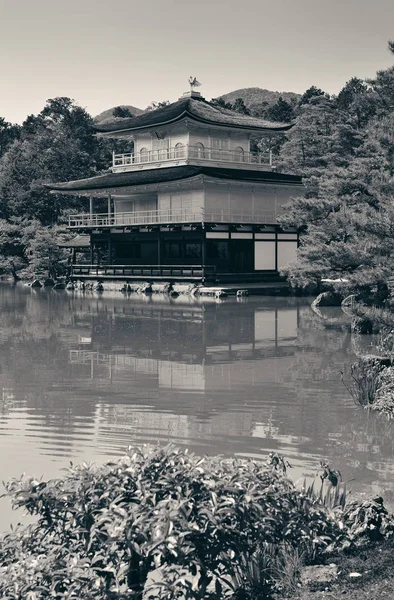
point(255, 97)
point(108, 115)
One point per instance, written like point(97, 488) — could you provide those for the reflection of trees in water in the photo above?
point(322, 415)
point(32, 314)
point(321, 353)
point(34, 359)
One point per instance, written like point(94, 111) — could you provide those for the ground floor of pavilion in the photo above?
point(185, 252)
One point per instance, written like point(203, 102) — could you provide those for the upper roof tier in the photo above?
point(193, 107)
point(156, 176)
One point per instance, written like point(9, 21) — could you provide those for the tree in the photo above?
point(312, 92)
point(122, 112)
point(240, 107)
point(29, 246)
point(12, 255)
point(281, 111)
point(347, 219)
point(45, 257)
point(221, 103)
point(357, 99)
point(8, 133)
point(309, 145)
point(354, 242)
point(56, 145)
point(155, 105)
point(261, 109)
point(383, 86)
point(353, 88)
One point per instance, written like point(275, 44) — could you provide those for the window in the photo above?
point(179, 150)
point(160, 149)
point(127, 252)
point(239, 155)
point(172, 250)
point(217, 250)
point(193, 250)
point(144, 155)
point(199, 149)
point(219, 149)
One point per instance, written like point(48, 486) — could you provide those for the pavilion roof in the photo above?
point(155, 176)
point(197, 109)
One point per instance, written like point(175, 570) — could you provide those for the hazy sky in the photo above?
point(104, 53)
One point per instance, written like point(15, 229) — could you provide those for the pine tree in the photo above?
point(240, 107)
point(281, 111)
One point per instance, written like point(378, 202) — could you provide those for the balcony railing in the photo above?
point(152, 272)
point(198, 153)
point(168, 217)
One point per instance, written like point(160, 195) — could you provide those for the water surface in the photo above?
point(84, 375)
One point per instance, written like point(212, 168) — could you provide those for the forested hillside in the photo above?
point(257, 99)
point(342, 145)
point(120, 112)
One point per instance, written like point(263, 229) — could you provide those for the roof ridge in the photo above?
point(198, 109)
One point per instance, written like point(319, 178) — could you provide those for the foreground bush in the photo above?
point(194, 523)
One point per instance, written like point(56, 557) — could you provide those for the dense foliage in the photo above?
point(158, 519)
point(343, 146)
point(162, 523)
point(58, 144)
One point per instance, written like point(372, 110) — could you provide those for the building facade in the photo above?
point(190, 201)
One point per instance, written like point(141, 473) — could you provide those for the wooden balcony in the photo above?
point(165, 217)
point(145, 272)
point(207, 274)
point(195, 155)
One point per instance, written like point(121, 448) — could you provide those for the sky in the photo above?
point(105, 53)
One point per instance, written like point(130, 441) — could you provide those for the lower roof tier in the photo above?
point(112, 181)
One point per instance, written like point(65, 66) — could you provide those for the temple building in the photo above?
point(190, 202)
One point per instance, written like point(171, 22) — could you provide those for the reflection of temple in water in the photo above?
point(191, 348)
point(185, 347)
point(182, 370)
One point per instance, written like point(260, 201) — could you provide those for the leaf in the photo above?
point(218, 587)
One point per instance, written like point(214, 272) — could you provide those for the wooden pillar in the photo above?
point(158, 248)
point(109, 209)
point(109, 249)
point(90, 207)
point(203, 253)
point(91, 249)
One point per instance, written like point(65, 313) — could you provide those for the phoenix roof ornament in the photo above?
point(193, 82)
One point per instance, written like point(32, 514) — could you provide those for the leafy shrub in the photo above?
point(194, 523)
point(368, 519)
point(362, 380)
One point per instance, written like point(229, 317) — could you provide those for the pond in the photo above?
point(82, 376)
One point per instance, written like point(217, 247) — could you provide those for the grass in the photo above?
point(376, 566)
point(286, 569)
